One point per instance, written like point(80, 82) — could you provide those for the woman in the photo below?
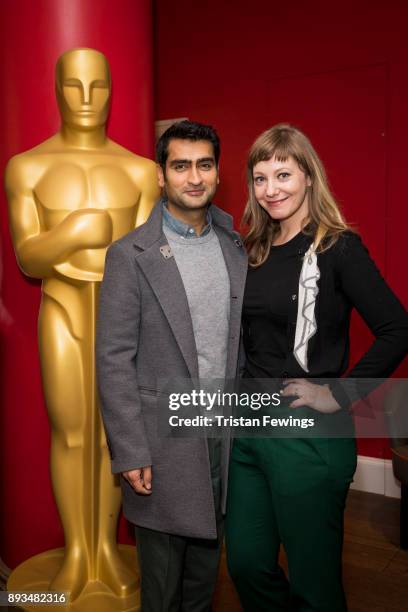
point(307, 271)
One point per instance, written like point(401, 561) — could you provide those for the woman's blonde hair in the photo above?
point(325, 221)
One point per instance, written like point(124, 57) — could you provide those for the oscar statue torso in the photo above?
point(71, 182)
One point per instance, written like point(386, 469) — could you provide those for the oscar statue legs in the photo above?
point(87, 495)
point(111, 569)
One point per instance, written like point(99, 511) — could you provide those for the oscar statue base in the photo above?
point(37, 573)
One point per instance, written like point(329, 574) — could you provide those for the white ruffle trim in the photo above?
point(306, 325)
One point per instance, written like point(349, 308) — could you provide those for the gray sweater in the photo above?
point(205, 277)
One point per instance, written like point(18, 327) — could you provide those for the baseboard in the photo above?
point(376, 476)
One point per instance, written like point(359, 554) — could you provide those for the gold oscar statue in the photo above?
point(69, 198)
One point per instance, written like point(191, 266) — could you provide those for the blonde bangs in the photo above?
point(273, 144)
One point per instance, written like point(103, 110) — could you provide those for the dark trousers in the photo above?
point(290, 492)
point(178, 574)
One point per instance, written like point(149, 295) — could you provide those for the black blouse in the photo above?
point(348, 278)
point(268, 293)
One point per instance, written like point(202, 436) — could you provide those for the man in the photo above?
point(170, 308)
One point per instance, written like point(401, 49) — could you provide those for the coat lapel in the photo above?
point(236, 261)
point(164, 278)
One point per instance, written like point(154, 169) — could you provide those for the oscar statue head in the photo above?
point(83, 88)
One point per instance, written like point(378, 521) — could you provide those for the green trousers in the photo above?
point(290, 492)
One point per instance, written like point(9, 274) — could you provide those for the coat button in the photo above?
point(294, 296)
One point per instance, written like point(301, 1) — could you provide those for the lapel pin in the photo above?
point(166, 251)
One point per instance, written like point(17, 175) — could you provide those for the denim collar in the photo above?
point(181, 228)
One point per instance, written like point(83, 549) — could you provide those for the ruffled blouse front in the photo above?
point(287, 276)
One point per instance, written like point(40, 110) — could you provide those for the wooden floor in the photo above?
point(375, 569)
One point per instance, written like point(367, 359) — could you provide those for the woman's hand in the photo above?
point(309, 394)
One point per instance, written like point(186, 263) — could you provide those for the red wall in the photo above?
point(336, 70)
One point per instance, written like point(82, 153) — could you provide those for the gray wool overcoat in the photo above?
point(144, 335)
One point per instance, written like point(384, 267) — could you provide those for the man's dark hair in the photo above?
point(186, 130)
